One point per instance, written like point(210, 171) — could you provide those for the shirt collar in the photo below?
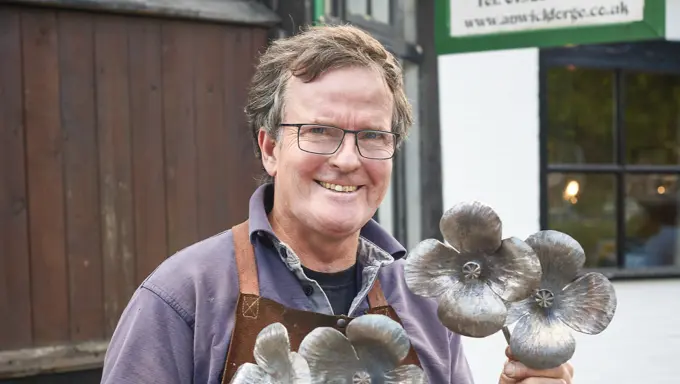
point(263, 198)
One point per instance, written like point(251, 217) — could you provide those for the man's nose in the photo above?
point(347, 157)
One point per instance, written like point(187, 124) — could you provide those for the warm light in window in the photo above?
point(571, 190)
point(661, 190)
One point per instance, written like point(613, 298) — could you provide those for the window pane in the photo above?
point(380, 10)
point(652, 221)
point(357, 7)
point(580, 105)
point(584, 207)
point(652, 118)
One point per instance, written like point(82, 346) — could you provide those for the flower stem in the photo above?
point(506, 333)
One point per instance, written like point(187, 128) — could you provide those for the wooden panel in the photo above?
point(211, 135)
point(242, 167)
point(180, 136)
point(146, 120)
point(15, 294)
point(122, 140)
point(81, 176)
point(49, 277)
point(115, 168)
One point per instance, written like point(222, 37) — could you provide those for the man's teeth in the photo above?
point(339, 188)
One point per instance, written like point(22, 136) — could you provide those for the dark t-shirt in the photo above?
point(340, 287)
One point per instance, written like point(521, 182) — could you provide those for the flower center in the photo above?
point(471, 270)
point(544, 298)
point(361, 378)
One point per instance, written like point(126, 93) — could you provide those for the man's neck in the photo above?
point(316, 251)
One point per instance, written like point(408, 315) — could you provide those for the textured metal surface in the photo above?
point(543, 338)
point(371, 352)
point(275, 362)
point(474, 274)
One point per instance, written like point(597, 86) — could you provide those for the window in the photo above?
point(378, 10)
point(384, 19)
point(610, 153)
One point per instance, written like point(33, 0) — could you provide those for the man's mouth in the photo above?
point(338, 187)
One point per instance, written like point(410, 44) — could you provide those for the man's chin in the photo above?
point(338, 226)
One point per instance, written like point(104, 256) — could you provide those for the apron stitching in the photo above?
point(251, 307)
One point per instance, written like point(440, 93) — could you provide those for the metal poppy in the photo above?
point(474, 274)
point(542, 338)
point(371, 352)
point(275, 361)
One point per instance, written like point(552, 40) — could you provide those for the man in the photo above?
point(327, 110)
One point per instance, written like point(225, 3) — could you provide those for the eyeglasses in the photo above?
point(326, 140)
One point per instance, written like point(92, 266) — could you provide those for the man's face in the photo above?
point(350, 98)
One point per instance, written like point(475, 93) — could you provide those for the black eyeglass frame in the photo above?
point(345, 132)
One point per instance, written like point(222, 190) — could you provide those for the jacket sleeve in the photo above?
point(151, 344)
point(460, 369)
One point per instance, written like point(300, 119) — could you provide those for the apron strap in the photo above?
point(247, 268)
point(245, 260)
point(376, 297)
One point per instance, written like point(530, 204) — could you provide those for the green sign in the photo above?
point(481, 25)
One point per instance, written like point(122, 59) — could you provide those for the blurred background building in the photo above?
point(122, 140)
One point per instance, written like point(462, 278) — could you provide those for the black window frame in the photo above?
point(390, 35)
point(650, 57)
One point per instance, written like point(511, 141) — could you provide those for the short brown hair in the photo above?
point(306, 56)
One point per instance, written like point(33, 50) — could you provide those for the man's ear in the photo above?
point(269, 151)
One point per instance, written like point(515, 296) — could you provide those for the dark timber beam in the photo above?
point(430, 142)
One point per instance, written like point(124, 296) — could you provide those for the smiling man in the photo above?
point(327, 111)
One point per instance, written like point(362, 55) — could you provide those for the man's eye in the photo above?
point(317, 130)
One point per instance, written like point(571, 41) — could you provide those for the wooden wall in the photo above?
point(122, 140)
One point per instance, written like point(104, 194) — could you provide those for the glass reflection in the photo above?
point(652, 221)
point(380, 10)
point(584, 207)
point(652, 118)
point(357, 7)
point(580, 115)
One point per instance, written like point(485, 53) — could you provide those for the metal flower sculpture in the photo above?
point(473, 276)
point(371, 352)
point(276, 364)
point(542, 338)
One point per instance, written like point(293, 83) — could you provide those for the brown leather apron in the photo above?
point(254, 313)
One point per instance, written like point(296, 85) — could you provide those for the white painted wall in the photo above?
point(490, 152)
point(673, 20)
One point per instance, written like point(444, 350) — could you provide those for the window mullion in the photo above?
point(544, 206)
point(620, 159)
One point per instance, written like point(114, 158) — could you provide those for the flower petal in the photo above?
point(380, 342)
point(472, 227)
point(272, 350)
point(250, 373)
point(514, 271)
point(542, 342)
point(519, 309)
point(406, 374)
point(561, 257)
point(588, 304)
point(431, 268)
point(301, 373)
point(473, 310)
point(330, 355)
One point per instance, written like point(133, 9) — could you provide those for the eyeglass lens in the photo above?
point(327, 140)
